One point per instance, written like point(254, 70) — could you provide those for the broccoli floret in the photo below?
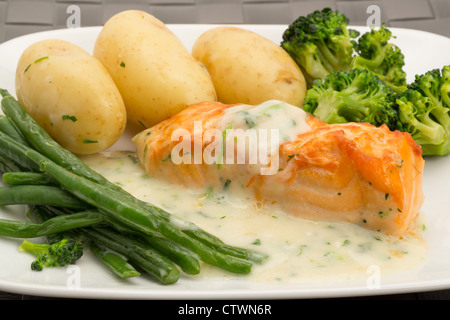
point(55, 254)
point(377, 54)
point(320, 43)
point(354, 96)
point(424, 111)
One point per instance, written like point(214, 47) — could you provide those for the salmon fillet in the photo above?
point(352, 172)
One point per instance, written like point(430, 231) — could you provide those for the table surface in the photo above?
point(432, 295)
point(22, 17)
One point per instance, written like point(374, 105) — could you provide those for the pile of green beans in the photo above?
point(125, 233)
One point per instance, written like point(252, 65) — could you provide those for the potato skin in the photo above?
point(248, 68)
point(156, 75)
point(71, 95)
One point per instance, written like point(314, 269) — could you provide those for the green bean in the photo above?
point(116, 262)
point(14, 152)
point(26, 178)
point(54, 225)
point(7, 127)
point(99, 196)
point(42, 215)
point(184, 258)
point(7, 165)
point(149, 260)
point(39, 195)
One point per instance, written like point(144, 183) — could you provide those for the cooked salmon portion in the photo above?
point(353, 172)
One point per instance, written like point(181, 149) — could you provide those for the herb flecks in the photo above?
point(290, 156)
point(222, 149)
point(142, 124)
point(71, 118)
point(257, 242)
point(35, 61)
point(41, 59)
point(227, 184)
point(85, 140)
point(300, 251)
point(382, 214)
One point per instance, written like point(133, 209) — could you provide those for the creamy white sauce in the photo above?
point(300, 251)
point(267, 115)
point(253, 133)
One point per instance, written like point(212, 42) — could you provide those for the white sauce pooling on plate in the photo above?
point(301, 251)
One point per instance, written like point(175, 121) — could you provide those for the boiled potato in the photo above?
point(156, 75)
point(71, 95)
point(248, 68)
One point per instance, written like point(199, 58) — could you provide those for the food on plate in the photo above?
point(99, 211)
point(71, 95)
point(352, 172)
point(424, 111)
point(354, 96)
point(248, 68)
point(375, 52)
point(156, 75)
point(320, 43)
point(233, 117)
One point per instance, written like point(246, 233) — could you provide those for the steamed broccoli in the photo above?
point(374, 52)
point(320, 43)
point(424, 111)
point(354, 96)
point(66, 250)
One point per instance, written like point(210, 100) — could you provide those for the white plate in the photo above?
point(423, 51)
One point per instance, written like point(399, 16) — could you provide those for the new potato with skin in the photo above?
point(156, 75)
point(249, 68)
point(71, 95)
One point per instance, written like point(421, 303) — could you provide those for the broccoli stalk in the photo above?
point(320, 43)
point(376, 54)
point(424, 111)
point(354, 96)
point(56, 254)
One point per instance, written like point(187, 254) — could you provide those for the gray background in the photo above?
point(19, 17)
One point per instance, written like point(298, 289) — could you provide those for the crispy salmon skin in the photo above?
point(352, 172)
